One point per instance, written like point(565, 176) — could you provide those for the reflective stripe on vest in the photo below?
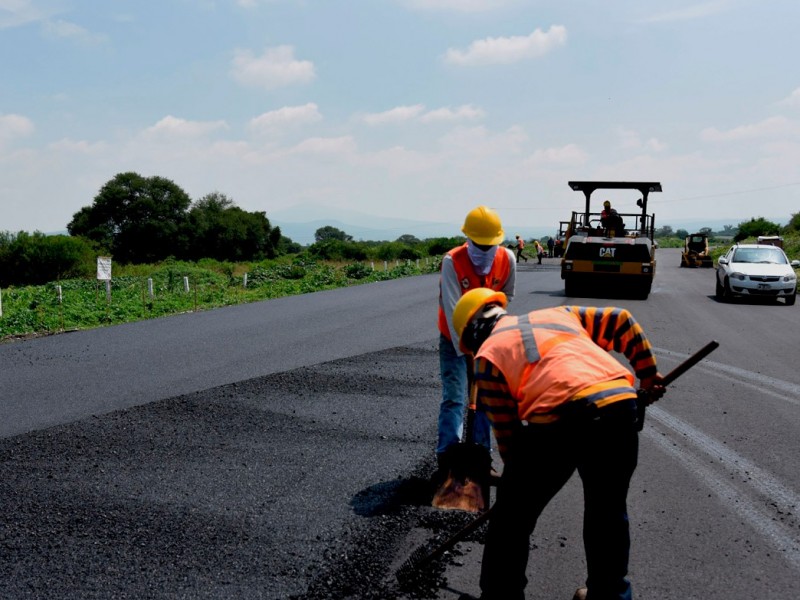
point(549, 359)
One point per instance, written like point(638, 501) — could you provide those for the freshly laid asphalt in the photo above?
point(227, 454)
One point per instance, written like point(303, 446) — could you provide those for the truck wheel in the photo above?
point(571, 287)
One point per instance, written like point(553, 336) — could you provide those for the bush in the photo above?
point(357, 271)
point(34, 259)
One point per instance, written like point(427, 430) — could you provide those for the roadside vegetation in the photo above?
point(171, 255)
point(138, 292)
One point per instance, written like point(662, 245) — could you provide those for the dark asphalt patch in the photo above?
point(304, 484)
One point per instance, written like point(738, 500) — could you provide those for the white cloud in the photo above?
point(506, 50)
point(71, 31)
point(570, 155)
point(14, 13)
point(481, 142)
point(171, 126)
point(275, 68)
point(398, 160)
point(78, 147)
point(401, 114)
point(332, 146)
point(286, 116)
point(768, 128)
point(14, 126)
point(395, 115)
point(456, 5)
point(792, 100)
point(632, 139)
point(461, 113)
point(690, 13)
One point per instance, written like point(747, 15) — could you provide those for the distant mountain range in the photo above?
point(294, 224)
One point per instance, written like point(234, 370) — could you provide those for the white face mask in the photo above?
point(481, 259)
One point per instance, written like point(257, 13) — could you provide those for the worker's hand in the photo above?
point(652, 389)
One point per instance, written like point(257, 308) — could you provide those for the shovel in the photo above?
point(467, 484)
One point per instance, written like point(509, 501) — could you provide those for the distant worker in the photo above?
point(558, 249)
point(558, 402)
point(611, 221)
point(520, 248)
point(539, 250)
point(550, 245)
point(480, 262)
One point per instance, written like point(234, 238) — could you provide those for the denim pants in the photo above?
point(604, 450)
point(453, 370)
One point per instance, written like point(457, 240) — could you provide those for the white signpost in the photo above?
point(104, 268)
point(104, 274)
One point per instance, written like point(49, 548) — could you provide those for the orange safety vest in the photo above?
point(469, 279)
point(549, 359)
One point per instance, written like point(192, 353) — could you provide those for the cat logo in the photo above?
point(607, 252)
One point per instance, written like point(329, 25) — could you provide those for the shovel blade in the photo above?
point(457, 493)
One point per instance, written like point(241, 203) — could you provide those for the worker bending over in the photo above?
point(558, 402)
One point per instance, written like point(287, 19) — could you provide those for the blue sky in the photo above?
point(412, 109)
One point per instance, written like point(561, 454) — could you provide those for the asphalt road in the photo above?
point(279, 450)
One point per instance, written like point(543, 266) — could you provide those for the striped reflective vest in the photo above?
point(469, 279)
point(548, 358)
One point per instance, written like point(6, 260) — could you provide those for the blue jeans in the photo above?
point(604, 451)
point(453, 370)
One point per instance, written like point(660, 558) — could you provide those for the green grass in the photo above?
point(84, 304)
point(791, 245)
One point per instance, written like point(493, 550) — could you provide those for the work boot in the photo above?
point(442, 470)
point(580, 594)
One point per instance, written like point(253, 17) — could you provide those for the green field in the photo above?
point(178, 287)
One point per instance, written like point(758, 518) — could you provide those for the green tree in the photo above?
point(793, 226)
point(331, 233)
point(36, 259)
point(138, 219)
point(219, 229)
point(755, 227)
point(665, 231)
point(334, 249)
point(408, 239)
point(681, 234)
point(439, 246)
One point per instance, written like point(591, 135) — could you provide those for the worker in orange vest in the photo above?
point(520, 248)
point(558, 402)
point(480, 262)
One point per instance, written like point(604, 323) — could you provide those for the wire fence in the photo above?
point(84, 303)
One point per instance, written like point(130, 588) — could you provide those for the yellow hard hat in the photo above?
point(471, 302)
point(607, 203)
point(483, 226)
